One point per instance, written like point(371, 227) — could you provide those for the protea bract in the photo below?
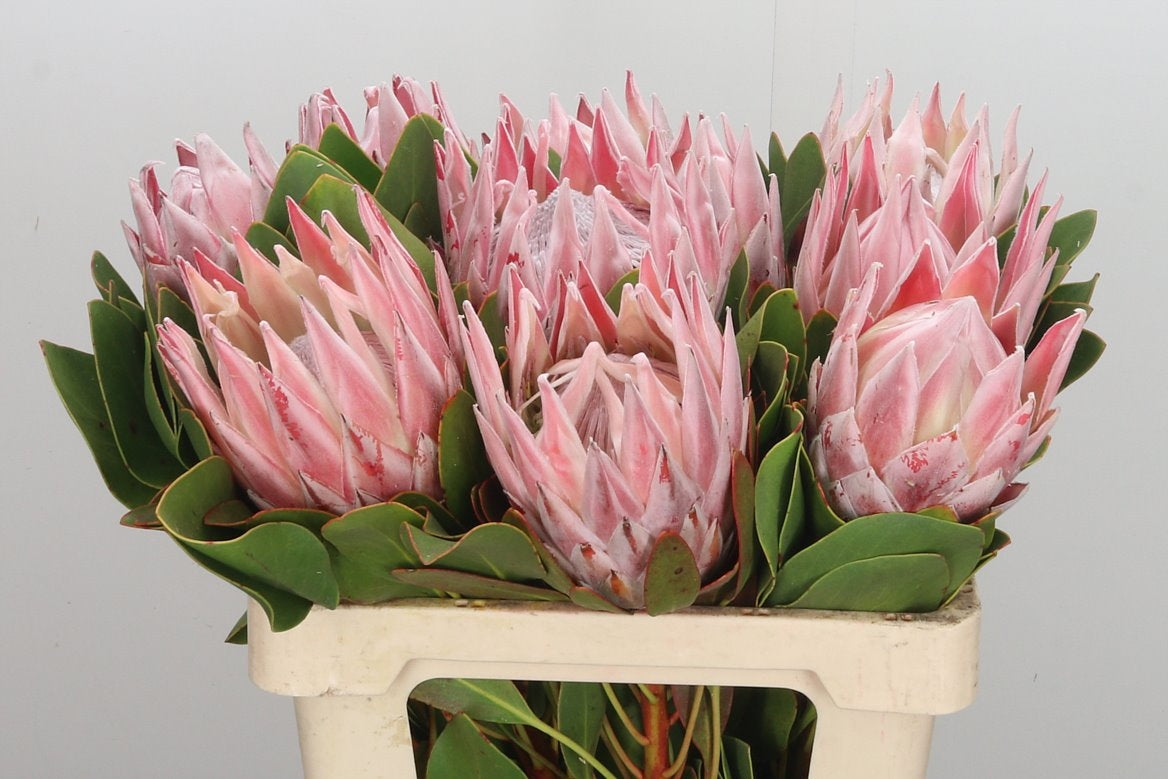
point(329, 378)
point(925, 408)
point(921, 200)
point(615, 447)
point(609, 188)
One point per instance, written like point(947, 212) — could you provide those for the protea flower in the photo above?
point(951, 160)
point(607, 449)
point(925, 408)
point(921, 201)
point(211, 197)
point(330, 378)
point(388, 108)
point(611, 190)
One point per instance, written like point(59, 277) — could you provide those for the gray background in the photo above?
point(111, 657)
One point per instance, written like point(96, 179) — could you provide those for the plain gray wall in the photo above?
point(111, 658)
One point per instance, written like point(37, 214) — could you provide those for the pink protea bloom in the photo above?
point(211, 197)
point(330, 385)
point(950, 160)
point(921, 200)
point(388, 107)
point(925, 408)
point(604, 450)
point(919, 263)
point(628, 190)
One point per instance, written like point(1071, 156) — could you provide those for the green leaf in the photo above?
point(410, 179)
point(554, 574)
point(157, 407)
point(144, 517)
point(313, 519)
point(265, 238)
point(764, 718)
point(337, 197)
point(1053, 312)
point(746, 338)
point(1005, 240)
point(462, 460)
point(300, 170)
point(283, 609)
point(462, 752)
point(804, 173)
point(770, 370)
point(736, 291)
point(772, 496)
point(742, 502)
point(893, 583)
point(672, 580)
point(736, 759)
point(876, 535)
point(793, 524)
point(1088, 349)
point(770, 425)
point(109, 282)
point(424, 504)
point(776, 157)
point(580, 709)
point(487, 700)
point(1075, 292)
point(344, 151)
point(470, 585)
point(613, 296)
point(369, 547)
point(238, 632)
point(231, 513)
point(496, 550)
point(74, 374)
point(821, 517)
point(171, 306)
point(588, 598)
point(998, 542)
point(1071, 234)
point(819, 332)
point(783, 323)
point(491, 315)
point(196, 436)
point(120, 357)
point(281, 555)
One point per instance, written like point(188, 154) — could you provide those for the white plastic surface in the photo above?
point(876, 680)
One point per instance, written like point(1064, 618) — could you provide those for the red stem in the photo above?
point(655, 719)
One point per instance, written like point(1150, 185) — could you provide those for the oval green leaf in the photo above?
point(463, 752)
point(912, 583)
point(672, 580)
point(881, 535)
point(487, 700)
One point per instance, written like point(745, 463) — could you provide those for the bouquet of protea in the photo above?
point(595, 357)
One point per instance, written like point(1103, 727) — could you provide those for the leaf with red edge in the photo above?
point(497, 551)
point(588, 598)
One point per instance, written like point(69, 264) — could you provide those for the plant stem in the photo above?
point(519, 738)
point(687, 739)
point(563, 738)
point(639, 737)
point(655, 720)
point(715, 728)
point(628, 767)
